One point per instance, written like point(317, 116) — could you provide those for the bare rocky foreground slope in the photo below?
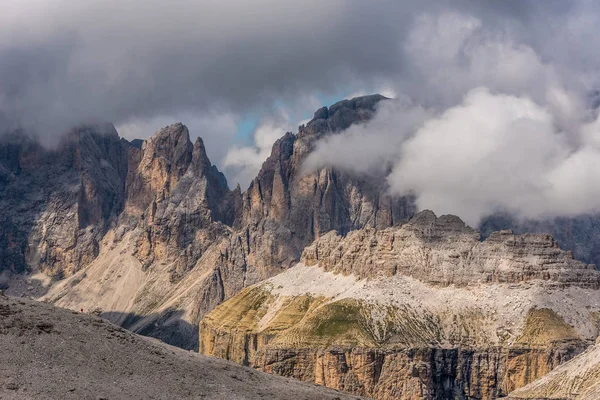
point(52, 353)
point(421, 311)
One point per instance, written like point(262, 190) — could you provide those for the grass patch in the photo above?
point(543, 327)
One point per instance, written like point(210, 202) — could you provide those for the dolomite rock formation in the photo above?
point(578, 379)
point(147, 233)
point(56, 205)
point(423, 310)
point(580, 234)
point(444, 251)
point(183, 242)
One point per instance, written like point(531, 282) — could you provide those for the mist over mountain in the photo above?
point(398, 199)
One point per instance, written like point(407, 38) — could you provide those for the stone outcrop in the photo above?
point(422, 310)
point(56, 205)
point(341, 115)
point(444, 251)
point(578, 379)
point(286, 209)
point(580, 234)
point(181, 194)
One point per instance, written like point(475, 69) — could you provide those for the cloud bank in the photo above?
point(68, 61)
point(499, 125)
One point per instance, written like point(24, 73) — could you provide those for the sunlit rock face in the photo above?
point(421, 310)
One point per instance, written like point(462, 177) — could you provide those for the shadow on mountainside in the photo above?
point(168, 327)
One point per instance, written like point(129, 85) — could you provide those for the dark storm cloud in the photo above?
point(145, 63)
point(64, 62)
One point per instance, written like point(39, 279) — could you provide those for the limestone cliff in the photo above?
point(422, 310)
point(444, 251)
point(56, 205)
point(578, 379)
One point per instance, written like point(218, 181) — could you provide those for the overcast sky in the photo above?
point(239, 73)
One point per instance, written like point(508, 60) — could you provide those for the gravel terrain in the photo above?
point(52, 353)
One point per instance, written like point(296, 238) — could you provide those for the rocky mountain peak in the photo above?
point(171, 148)
point(202, 166)
point(427, 226)
point(341, 115)
point(156, 169)
point(199, 157)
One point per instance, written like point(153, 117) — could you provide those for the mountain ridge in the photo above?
point(193, 242)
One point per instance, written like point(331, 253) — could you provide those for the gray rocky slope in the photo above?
point(51, 353)
point(578, 379)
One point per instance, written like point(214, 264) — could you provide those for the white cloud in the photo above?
point(491, 152)
point(504, 128)
point(242, 163)
point(369, 149)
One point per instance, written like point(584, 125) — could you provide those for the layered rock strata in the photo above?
point(424, 310)
point(578, 379)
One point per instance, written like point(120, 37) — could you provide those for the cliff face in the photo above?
point(417, 374)
point(286, 209)
point(580, 234)
point(443, 251)
point(154, 266)
point(576, 380)
point(423, 310)
point(182, 199)
point(56, 205)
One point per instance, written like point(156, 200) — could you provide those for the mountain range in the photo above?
point(323, 275)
